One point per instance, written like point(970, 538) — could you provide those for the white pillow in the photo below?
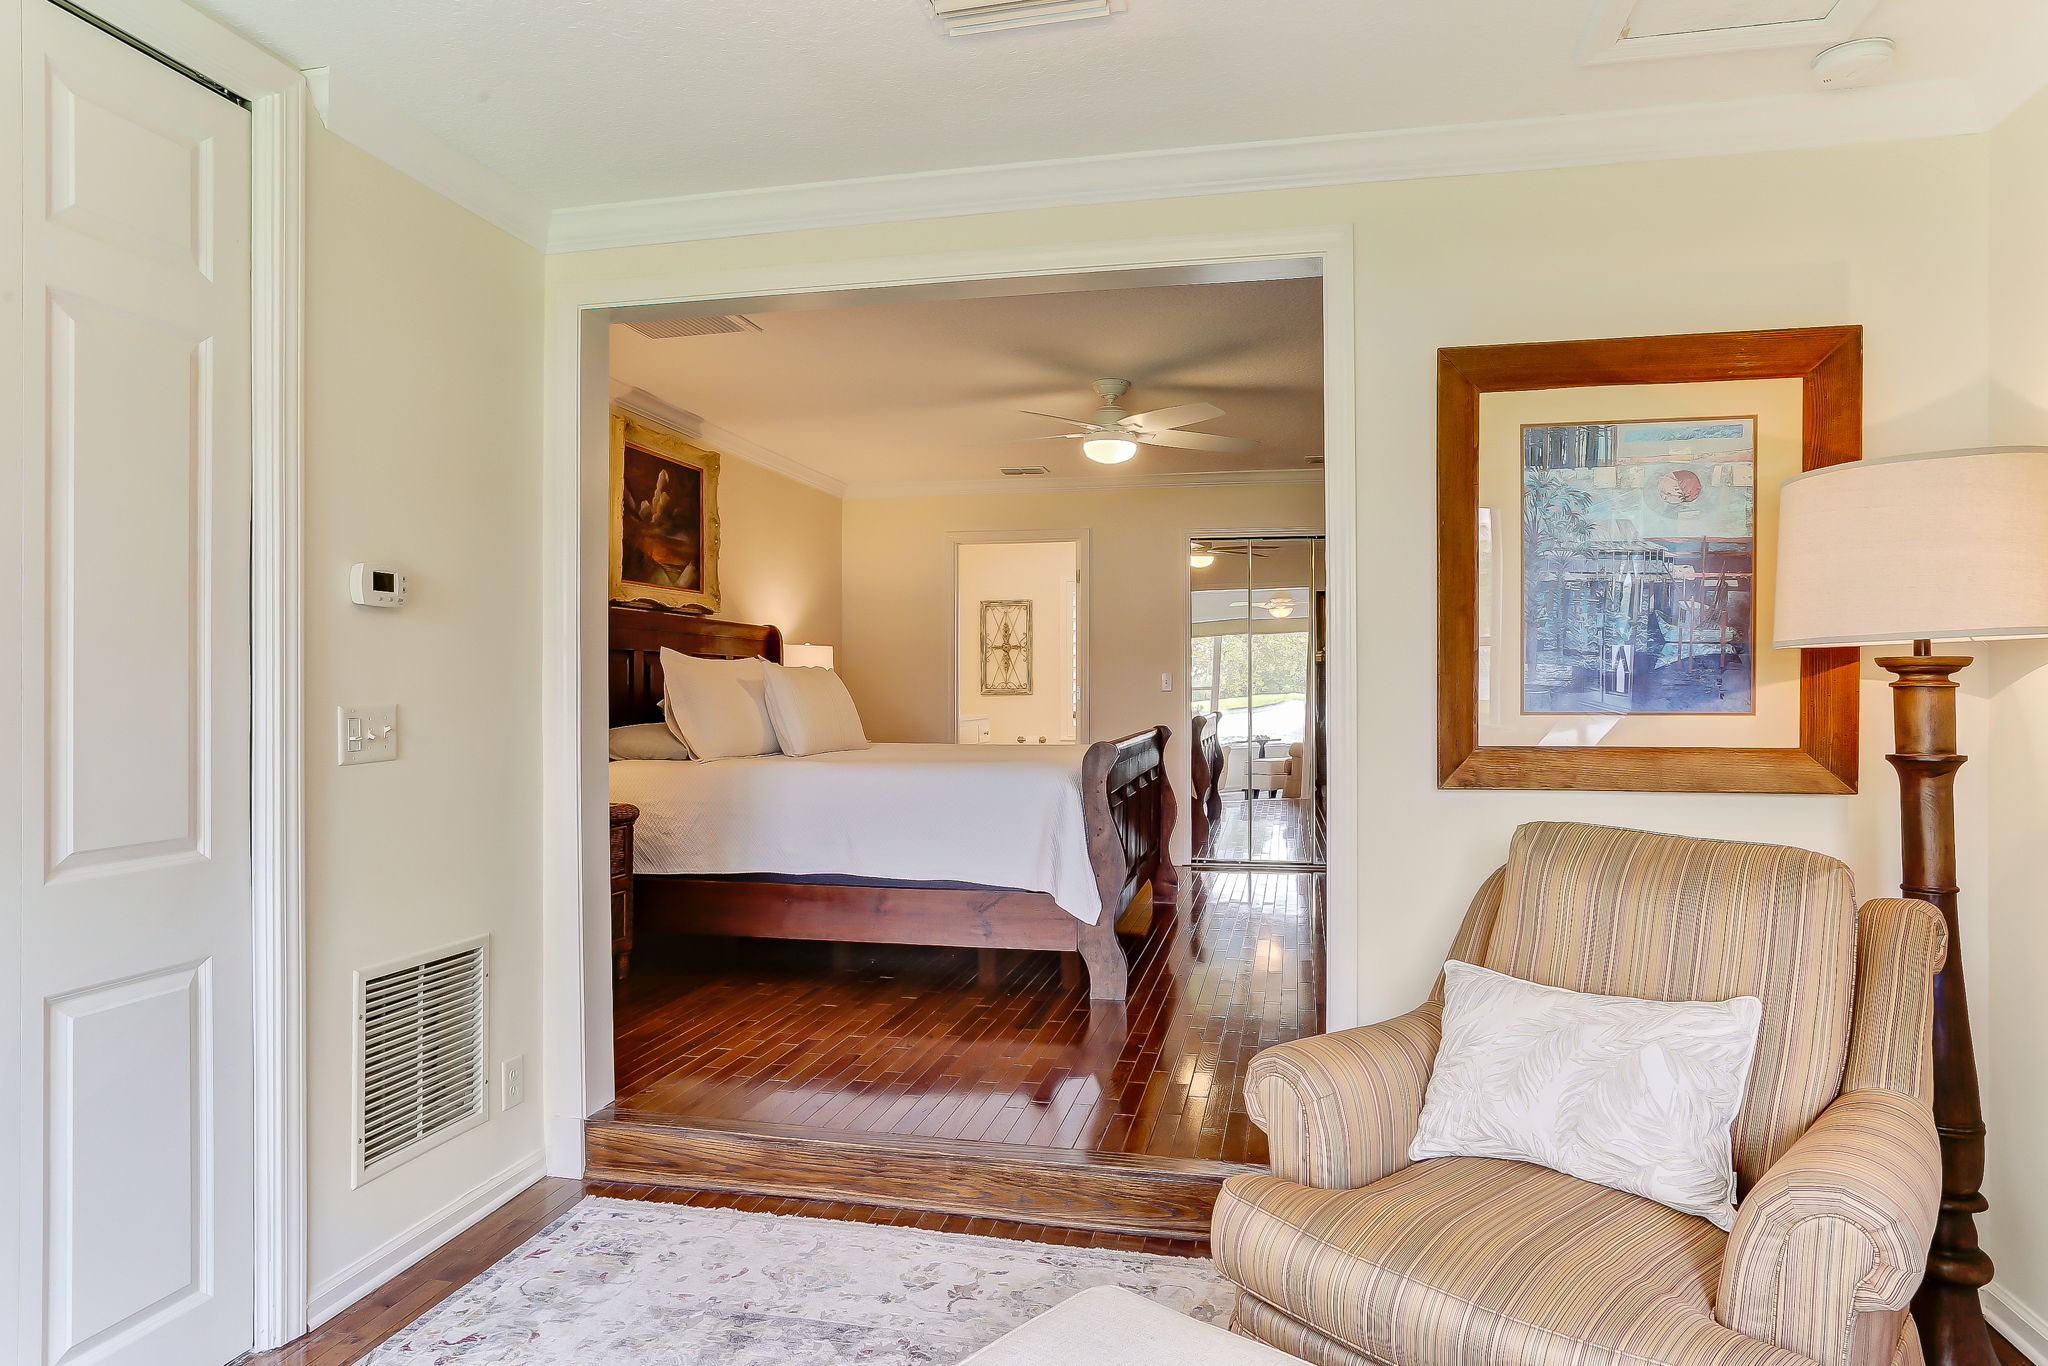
point(1636, 1095)
point(717, 706)
point(651, 741)
point(812, 711)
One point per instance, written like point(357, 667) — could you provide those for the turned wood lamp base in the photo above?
point(1946, 1309)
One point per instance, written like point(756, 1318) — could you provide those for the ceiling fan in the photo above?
point(1279, 605)
point(1111, 436)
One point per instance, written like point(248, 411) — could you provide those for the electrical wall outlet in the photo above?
point(367, 735)
point(514, 1089)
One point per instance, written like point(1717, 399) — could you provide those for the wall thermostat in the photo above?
point(375, 586)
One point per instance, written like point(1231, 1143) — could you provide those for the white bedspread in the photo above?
point(998, 816)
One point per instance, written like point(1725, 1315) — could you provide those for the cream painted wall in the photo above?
point(1042, 573)
point(778, 554)
point(2010, 1011)
point(898, 597)
point(422, 419)
point(1890, 236)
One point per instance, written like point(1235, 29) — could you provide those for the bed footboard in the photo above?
point(1129, 808)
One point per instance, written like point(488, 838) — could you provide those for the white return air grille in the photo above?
point(666, 329)
point(420, 1048)
point(959, 17)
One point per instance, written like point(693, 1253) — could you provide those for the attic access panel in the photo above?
point(1629, 30)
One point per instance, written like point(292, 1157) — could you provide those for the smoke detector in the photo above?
point(962, 17)
point(666, 328)
point(1856, 62)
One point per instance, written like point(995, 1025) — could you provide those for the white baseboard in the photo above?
point(380, 1264)
point(2023, 1326)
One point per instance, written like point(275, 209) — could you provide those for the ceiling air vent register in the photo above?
point(1625, 30)
point(420, 1051)
point(665, 328)
point(962, 17)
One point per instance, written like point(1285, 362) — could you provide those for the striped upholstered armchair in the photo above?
point(1349, 1253)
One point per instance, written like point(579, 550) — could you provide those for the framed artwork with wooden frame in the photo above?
point(1606, 545)
point(664, 518)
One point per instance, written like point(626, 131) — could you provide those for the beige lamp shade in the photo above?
point(1947, 546)
point(807, 656)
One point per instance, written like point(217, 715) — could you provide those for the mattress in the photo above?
point(980, 815)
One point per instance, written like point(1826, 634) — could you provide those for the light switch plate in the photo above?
point(367, 735)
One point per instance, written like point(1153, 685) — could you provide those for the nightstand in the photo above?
point(623, 817)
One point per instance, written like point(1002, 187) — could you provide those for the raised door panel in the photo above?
point(126, 680)
point(130, 1222)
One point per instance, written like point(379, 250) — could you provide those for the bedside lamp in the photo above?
point(807, 656)
point(1947, 546)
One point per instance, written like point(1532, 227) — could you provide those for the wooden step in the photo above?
point(1131, 1193)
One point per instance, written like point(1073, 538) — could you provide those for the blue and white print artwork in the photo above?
point(1639, 567)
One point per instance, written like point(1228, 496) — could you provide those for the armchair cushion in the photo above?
point(1481, 1262)
point(1637, 1095)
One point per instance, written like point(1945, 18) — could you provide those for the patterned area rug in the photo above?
point(631, 1283)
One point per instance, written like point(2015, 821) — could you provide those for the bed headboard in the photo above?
point(638, 635)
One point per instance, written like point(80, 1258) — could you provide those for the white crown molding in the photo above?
point(1779, 123)
point(687, 424)
point(358, 116)
point(1187, 479)
point(2020, 1324)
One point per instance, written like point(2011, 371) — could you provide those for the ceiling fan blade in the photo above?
point(1184, 415)
point(1074, 421)
point(1199, 441)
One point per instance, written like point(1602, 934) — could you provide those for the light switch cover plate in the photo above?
point(367, 735)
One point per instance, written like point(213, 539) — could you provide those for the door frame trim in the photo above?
point(576, 988)
point(278, 102)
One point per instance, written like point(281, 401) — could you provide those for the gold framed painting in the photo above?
point(1607, 544)
point(664, 494)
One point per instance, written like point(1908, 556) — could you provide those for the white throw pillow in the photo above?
point(718, 707)
point(1636, 1095)
point(651, 741)
point(812, 711)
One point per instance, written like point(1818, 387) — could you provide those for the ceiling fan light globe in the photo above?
point(1281, 609)
point(1109, 450)
point(1201, 560)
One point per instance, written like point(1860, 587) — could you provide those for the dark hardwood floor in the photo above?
point(907, 1042)
point(1264, 830)
point(939, 1081)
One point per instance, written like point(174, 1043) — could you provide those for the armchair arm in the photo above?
point(1838, 1226)
point(1340, 1109)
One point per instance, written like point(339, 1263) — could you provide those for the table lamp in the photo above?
point(807, 656)
point(1947, 546)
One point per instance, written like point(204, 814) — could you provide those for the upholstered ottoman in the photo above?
point(1109, 1326)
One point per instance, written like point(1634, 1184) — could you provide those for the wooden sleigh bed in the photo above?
point(1127, 806)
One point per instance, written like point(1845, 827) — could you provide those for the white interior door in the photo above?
point(132, 1026)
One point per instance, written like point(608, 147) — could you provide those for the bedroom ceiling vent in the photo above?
point(962, 17)
point(1024, 471)
point(1627, 30)
point(420, 1054)
point(666, 328)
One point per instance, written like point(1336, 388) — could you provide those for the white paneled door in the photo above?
point(133, 1196)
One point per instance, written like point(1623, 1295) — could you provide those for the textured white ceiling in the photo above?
point(596, 101)
point(928, 391)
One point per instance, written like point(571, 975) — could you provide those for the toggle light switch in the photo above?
point(368, 735)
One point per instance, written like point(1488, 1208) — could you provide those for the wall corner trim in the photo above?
point(1775, 123)
point(395, 138)
point(334, 1293)
point(2020, 1324)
